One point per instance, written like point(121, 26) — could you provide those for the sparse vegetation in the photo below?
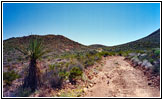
point(9, 76)
point(71, 93)
point(67, 61)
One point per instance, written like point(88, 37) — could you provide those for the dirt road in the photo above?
point(119, 79)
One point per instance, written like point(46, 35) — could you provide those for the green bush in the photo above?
point(151, 60)
point(119, 53)
point(51, 67)
point(75, 73)
point(9, 76)
point(104, 53)
point(73, 69)
point(59, 72)
point(140, 51)
point(54, 66)
point(157, 52)
point(97, 57)
point(111, 53)
point(64, 74)
point(125, 54)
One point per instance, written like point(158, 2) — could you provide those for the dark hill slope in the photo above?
point(148, 42)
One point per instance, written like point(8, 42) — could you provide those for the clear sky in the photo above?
point(87, 23)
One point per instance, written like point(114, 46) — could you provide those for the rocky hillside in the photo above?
point(56, 44)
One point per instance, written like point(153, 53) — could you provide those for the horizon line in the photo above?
point(77, 41)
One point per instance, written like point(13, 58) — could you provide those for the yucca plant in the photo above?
point(34, 52)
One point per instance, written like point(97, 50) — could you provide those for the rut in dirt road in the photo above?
point(119, 79)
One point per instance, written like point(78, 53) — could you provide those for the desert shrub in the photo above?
point(87, 58)
point(53, 79)
point(104, 53)
point(88, 62)
point(119, 53)
point(9, 76)
point(64, 74)
point(151, 60)
point(55, 75)
point(56, 81)
point(88, 55)
point(67, 56)
point(125, 54)
point(67, 64)
point(111, 53)
point(60, 72)
point(78, 56)
point(157, 52)
point(75, 72)
point(75, 64)
point(51, 67)
point(97, 57)
point(54, 66)
point(140, 51)
point(92, 57)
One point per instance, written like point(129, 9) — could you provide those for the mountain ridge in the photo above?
point(59, 44)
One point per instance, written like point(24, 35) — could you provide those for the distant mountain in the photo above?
point(97, 46)
point(148, 42)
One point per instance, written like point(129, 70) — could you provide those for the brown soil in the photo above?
point(119, 79)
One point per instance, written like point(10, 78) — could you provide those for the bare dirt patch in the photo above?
point(119, 79)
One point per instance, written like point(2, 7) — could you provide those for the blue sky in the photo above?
point(87, 23)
